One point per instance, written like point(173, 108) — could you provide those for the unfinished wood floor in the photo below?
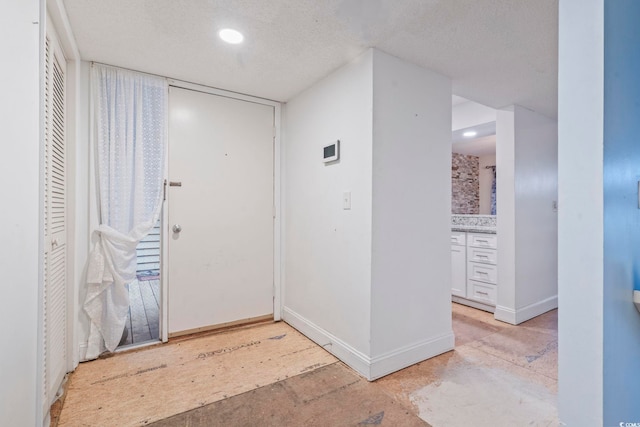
point(271, 375)
point(142, 321)
point(498, 375)
point(139, 387)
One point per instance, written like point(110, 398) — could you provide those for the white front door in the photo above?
point(220, 263)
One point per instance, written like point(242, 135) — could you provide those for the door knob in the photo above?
point(177, 228)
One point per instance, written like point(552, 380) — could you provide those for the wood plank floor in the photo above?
point(143, 321)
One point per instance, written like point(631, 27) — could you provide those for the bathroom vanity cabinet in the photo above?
point(474, 269)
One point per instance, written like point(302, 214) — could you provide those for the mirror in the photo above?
point(473, 178)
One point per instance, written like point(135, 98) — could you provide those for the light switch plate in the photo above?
point(346, 200)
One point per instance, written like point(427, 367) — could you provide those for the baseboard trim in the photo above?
point(505, 314)
point(519, 315)
point(536, 309)
point(410, 355)
point(357, 360)
point(370, 368)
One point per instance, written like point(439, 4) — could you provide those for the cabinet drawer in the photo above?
point(481, 292)
point(482, 272)
point(458, 238)
point(487, 256)
point(480, 240)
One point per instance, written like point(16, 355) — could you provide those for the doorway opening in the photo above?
point(143, 320)
point(502, 361)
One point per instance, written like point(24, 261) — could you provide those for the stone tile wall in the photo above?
point(465, 184)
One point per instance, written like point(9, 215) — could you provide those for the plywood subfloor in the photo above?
point(137, 388)
point(332, 395)
point(498, 375)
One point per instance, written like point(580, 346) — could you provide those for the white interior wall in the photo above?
point(20, 253)
point(471, 113)
point(536, 187)
point(411, 276)
point(486, 179)
point(526, 155)
point(580, 215)
point(376, 294)
point(327, 248)
point(506, 210)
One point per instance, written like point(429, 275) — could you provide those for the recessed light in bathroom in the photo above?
point(231, 36)
point(470, 134)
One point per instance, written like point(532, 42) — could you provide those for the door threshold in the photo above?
point(220, 327)
point(137, 346)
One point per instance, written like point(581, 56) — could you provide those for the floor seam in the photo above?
point(512, 363)
point(245, 392)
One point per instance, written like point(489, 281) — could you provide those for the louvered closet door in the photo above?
point(55, 223)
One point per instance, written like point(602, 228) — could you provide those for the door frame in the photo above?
point(277, 211)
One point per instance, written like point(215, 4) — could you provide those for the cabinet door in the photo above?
point(458, 271)
point(458, 238)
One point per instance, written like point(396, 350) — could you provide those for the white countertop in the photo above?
point(474, 229)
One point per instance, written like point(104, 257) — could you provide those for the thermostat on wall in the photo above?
point(332, 152)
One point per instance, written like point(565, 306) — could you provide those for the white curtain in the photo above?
point(130, 116)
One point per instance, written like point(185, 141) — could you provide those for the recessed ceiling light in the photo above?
point(470, 134)
point(231, 36)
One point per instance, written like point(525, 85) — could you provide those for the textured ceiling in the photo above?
point(483, 143)
point(497, 52)
point(477, 146)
